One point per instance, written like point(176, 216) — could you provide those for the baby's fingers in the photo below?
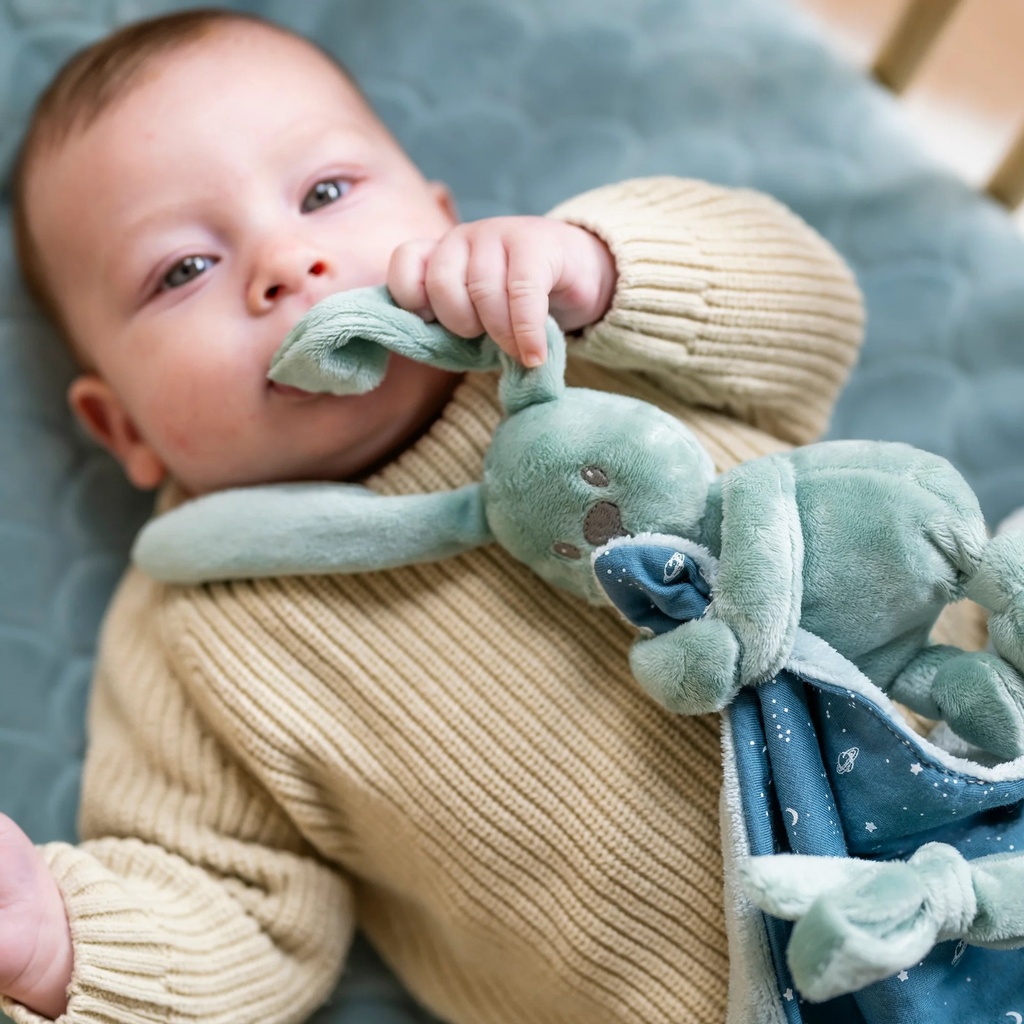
point(486, 276)
point(447, 293)
point(407, 273)
point(529, 283)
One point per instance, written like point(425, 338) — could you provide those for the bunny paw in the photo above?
point(691, 669)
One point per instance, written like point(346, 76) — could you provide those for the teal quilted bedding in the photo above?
point(518, 104)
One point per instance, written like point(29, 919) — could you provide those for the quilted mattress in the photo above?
point(518, 104)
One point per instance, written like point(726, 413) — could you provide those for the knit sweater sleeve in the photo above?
point(725, 298)
point(192, 896)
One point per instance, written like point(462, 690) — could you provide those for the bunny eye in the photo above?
point(595, 476)
point(566, 550)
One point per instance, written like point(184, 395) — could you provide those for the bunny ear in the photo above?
point(520, 387)
point(341, 345)
point(302, 529)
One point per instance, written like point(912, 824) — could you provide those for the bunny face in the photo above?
point(563, 477)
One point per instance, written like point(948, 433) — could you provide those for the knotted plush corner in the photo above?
point(860, 921)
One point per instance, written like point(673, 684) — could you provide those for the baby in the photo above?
point(452, 757)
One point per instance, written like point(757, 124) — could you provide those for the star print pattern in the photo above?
point(907, 794)
point(823, 769)
point(815, 807)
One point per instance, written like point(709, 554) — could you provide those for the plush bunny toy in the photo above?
point(860, 543)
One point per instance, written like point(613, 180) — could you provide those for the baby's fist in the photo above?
point(35, 941)
point(503, 276)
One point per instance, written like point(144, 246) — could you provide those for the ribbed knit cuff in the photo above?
point(727, 297)
point(157, 938)
point(113, 942)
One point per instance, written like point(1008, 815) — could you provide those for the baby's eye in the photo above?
point(186, 270)
point(323, 193)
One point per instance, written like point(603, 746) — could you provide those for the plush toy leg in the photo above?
point(979, 695)
point(998, 584)
point(692, 669)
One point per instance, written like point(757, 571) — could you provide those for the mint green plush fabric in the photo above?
point(861, 543)
point(333, 533)
point(861, 921)
point(563, 97)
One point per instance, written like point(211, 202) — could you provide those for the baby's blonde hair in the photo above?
point(83, 89)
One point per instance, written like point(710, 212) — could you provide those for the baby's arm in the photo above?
point(257, 934)
point(726, 298)
point(503, 276)
point(194, 896)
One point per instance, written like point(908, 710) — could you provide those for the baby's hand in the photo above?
point(503, 276)
point(35, 940)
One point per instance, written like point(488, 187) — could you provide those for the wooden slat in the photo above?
point(1007, 184)
point(908, 44)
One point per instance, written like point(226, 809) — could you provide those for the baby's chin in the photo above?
point(317, 436)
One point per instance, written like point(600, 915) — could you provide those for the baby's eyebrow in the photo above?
point(352, 139)
point(122, 265)
point(139, 228)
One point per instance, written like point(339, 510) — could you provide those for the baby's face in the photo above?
point(187, 229)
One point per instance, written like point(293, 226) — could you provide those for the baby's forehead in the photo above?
point(153, 98)
point(173, 106)
point(255, 49)
point(232, 51)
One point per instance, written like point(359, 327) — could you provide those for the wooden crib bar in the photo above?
point(907, 45)
point(904, 51)
point(1007, 184)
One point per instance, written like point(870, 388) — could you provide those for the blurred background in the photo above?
point(967, 101)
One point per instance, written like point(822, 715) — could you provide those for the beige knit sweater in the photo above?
point(451, 756)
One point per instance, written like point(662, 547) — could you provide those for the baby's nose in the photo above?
point(288, 274)
point(274, 290)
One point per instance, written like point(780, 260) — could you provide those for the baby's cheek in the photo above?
point(183, 426)
point(204, 407)
point(202, 453)
point(180, 442)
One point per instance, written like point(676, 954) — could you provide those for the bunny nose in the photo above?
point(602, 523)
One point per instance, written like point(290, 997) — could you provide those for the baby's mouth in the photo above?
point(287, 391)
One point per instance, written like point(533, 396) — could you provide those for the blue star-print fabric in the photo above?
point(825, 770)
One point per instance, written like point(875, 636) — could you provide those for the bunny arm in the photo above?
point(307, 528)
point(860, 921)
point(759, 587)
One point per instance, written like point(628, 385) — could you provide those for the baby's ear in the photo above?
point(341, 345)
point(305, 529)
point(102, 414)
